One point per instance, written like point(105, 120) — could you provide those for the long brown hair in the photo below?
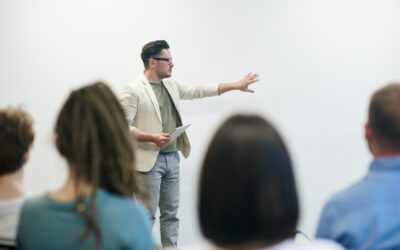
point(93, 136)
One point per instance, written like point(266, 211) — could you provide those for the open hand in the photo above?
point(244, 83)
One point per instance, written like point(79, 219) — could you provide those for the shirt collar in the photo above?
point(385, 163)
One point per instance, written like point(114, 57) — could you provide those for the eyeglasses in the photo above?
point(167, 60)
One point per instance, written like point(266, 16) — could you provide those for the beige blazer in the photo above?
point(142, 111)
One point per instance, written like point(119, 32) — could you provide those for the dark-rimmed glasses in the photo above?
point(167, 60)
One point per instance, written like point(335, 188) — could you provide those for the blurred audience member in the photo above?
point(367, 214)
point(16, 138)
point(94, 209)
point(247, 194)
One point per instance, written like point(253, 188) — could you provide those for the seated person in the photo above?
point(95, 208)
point(367, 214)
point(247, 194)
point(16, 138)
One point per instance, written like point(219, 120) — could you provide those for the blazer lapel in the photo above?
point(174, 99)
point(152, 96)
point(172, 94)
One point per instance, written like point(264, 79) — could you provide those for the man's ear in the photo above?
point(25, 158)
point(370, 138)
point(368, 134)
point(152, 63)
point(26, 155)
point(56, 142)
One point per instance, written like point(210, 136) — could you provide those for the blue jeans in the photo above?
point(162, 183)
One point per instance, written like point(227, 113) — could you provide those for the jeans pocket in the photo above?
point(178, 157)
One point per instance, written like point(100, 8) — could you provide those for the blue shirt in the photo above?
point(49, 224)
point(366, 215)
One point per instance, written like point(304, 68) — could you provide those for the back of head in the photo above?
point(93, 136)
point(16, 137)
point(151, 50)
point(247, 187)
point(384, 116)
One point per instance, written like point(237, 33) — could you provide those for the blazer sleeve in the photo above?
point(129, 102)
point(196, 91)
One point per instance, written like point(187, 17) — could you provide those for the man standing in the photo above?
point(151, 104)
point(367, 215)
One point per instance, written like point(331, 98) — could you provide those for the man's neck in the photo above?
point(152, 77)
point(11, 186)
point(386, 154)
point(379, 152)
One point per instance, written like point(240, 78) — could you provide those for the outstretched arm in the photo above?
point(242, 85)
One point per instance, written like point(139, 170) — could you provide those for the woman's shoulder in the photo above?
point(118, 203)
point(35, 208)
point(37, 201)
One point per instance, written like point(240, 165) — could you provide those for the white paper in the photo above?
point(177, 132)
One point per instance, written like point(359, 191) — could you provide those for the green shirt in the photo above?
point(169, 115)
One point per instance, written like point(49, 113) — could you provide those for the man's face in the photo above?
point(163, 64)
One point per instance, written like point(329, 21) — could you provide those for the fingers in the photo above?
point(164, 139)
point(161, 138)
point(252, 74)
point(249, 90)
point(251, 78)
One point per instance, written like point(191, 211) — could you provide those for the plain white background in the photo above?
point(319, 62)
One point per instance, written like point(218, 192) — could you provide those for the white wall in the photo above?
point(319, 62)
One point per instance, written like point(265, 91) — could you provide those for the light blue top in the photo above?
point(49, 224)
point(366, 215)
